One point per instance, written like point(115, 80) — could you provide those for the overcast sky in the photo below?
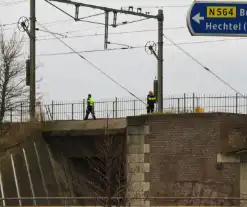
point(68, 77)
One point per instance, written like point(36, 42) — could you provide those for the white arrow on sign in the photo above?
point(197, 18)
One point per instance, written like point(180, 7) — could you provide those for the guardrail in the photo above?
point(163, 201)
point(120, 107)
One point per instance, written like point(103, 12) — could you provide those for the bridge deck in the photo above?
point(84, 125)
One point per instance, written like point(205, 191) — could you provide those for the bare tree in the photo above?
point(106, 179)
point(13, 90)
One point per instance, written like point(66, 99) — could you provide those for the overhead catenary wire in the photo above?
point(12, 3)
point(203, 66)
point(112, 33)
point(98, 34)
point(4, 25)
point(133, 47)
point(131, 22)
point(52, 23)
point(166, 6)
point(93, 65)
point(89, 51)
point(129, 32)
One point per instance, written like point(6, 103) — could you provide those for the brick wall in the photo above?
point(183, 159)
point(233, 132)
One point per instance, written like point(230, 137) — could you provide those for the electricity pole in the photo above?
point(160, 60)
point(139, 13)
point(32, 58)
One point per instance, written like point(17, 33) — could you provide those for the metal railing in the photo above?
point(154, 201)
point(120, 107)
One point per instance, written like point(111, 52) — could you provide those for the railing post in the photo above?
point(21, 113)
point(197, 102)
point(116, 102)
point(184, 102)
point(107, 110)
point(193, 102)
point(52, 110)
point(236, 103)
point(11, 117)
point(134, 107)
point(178, 105)
point(83, 108)
point(113, 109)
point(72, 111)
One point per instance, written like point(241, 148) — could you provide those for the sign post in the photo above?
point(210, 18)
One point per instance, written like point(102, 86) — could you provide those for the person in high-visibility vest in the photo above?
point(90, 107)
point(151, 100)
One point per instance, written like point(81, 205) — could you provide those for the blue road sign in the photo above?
point(210, 18)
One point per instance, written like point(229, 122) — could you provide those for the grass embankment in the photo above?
point(14, 134)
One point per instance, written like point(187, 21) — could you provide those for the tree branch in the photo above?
point(13, 89)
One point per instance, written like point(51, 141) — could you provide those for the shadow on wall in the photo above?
point(94, 166)
point(30, 171)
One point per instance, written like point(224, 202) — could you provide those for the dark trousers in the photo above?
point(88, 111)
point(150, 109)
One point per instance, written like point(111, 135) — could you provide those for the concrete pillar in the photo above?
point(242, 160)
point(136, 167)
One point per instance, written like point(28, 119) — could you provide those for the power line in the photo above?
point(203, 66)
point(129, 32)
point(163, 6)
point(166, 6)
point(12, 3)
point(57, 22)
point(113, 33)
point(102, 34)
point(71, 31)
point(8, 24)
point(4, 25)
point(132, 47)
point(133, 31)
point(138, 31)
point(46, 23)
point(89, 51)
point(209, 41)
point(54, 23)
point(125, 32)
point(50, 24)
point(93, 65)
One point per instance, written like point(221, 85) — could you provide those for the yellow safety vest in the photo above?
point(91, 101)
point(152, 99)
